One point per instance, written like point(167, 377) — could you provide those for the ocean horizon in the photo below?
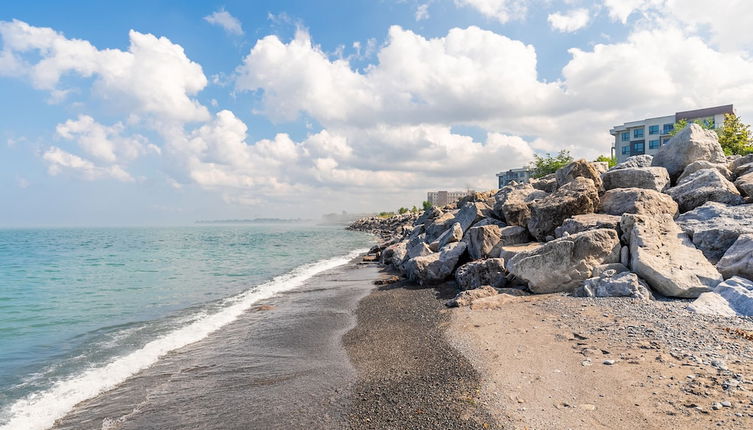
point(82, 309)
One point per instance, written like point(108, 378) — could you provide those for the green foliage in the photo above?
point(427, 205)
point(547, 164)
point(414, 209)
point(402, 210)
point(611, 160)
point(386, 214)
point(735, 137)
point(679, 125)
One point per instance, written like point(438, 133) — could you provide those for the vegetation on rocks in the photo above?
point(548, 164)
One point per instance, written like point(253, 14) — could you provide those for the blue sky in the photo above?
point(296, 108)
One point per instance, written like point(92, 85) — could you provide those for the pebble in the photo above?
point(716, 406)
point(726, 404)
point(609, 362)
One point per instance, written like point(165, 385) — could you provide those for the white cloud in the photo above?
point(228, 22)
point(153, 77)
point(106, 143)
point(59, 161)
point(422, 12)
point(620, 10)
point(501, 10)
point(570, 21)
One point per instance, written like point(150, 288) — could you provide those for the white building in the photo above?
point(648, 135)
point(520, 175)
point(444, 198)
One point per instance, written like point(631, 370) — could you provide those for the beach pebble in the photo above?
point(609, 362)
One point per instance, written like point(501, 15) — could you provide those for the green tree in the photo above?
point(414, 209)
point(402, 210)
point(611, 160)
point(734, 136)
point(679, 125)
point(427, 205)
point(547, 164)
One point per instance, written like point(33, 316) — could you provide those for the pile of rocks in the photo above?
point(385, 228)
point(675, 225)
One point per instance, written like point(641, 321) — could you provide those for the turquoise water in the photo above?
point(73, 300)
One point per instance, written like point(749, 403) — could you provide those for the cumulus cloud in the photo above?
point(59, 160)
point(501, 10)
point(106, 143)
point(570, 21)
point(229, 23)
point(153, 77)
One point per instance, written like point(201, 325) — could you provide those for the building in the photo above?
point(648, 135)
point(520, 175)
point(444, 198)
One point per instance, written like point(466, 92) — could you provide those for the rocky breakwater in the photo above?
point(678, 225)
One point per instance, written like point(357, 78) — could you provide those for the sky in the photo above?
point(164, 112)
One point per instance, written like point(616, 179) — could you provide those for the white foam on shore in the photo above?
point(39, 410)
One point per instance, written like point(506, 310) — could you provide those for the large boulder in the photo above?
point(466, 298)
point(665, 257)
point(546, 183)
point(707, 185)
point(636, 201)
point(579, 196)
point(652, 178)
point(471, 213)
point(439, 225)
point(740, 165)
point(714, 227)
point(703, 164)
point(477, 196)
point(395, 254)
point(733, 297)
point(513, 235)
point(738, 260)
point(428, 215)
point(481, 241)
point(452, 234)
point(579, 223)
point(562, 264)
point(507, 252)
point(691, 144)
point(614, 284)
point(481, 272)
point(635, 161)
point(745, 184)
point(512, 203)
point(578, 169)
point(435, 267)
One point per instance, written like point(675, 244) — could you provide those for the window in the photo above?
point(638, 132)
point(653, 144)
point(668, 128)
point(625, 150)
point(625, 136)
point(639, 147)
point(653, 129)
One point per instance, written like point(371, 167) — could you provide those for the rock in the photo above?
point(474, 274)
point(439, 226)
point(417, 248)
point(621, 201)
point(652, 178)
point(703, 186)
point(738, 260)
point(634, 161)
point(451, 235)
point(476, 196)
point(601, 166)
point(513, 235)
point(745, 184)
point(512, 203)
point(490, 221)
point(435, 267)
point(665, 258)
point(744, 169)
point(507, 252)
point(546, 183)
point(735, 165)
point(578, 169)
point(579, 196)
point(609, 362)
point(481, 241)
point(703, 164)
point(730, 298)
point(465, 298)
point(429, 215)
point(562, 264)
point(579, 223)
point(714, 227)
point(613, 284)
point(472, 213)
point(394, 254)
point(692, 143)
point(616, 267)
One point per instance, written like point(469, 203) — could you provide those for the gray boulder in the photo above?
point(452, 234)
point(546, 183)
point(738, 260)
point(692, 143)
point(466, 298)
point(707, 185)
point(439, 225)
point(614, 284)
point(428, 215)
point(733, 297)
point(490, 221)
point(578, 169)
point(507, 252)
point(512, 203)
point(481, 241)
point(579, 196)
point(652, 178)
point(665, 257)
point(435, 267)
point(703, 164)
point(471, 213)
point(562, 264)
point(579, 223)
point(739, 165)
point(615, 267)
point(635, 161)
point(474, 274)
point(621, 201)
point(745, 184)
point(714, 227)
point(395, 254)
point(513, 235)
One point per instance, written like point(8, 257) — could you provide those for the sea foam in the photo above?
point(39, 410)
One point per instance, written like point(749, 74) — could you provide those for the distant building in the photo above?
point(648, 135)
point(520, 175)
point(444, 198)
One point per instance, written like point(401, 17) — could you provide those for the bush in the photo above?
point(427, 205)
point(612, 161)
point(402, 210)
point(734, 136)
point(547, 164)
